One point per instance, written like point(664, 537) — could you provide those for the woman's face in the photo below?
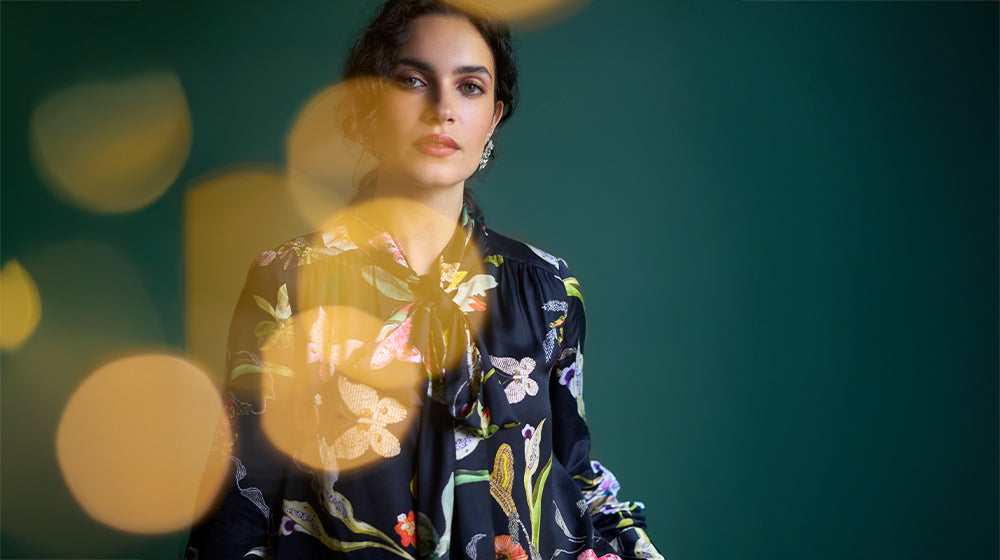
point(439, 108)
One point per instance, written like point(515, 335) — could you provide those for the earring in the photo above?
point(486, 154)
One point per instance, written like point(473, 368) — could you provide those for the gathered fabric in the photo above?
point(374, 412)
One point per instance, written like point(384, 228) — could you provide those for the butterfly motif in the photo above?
point(374, 414)
point(522, 384)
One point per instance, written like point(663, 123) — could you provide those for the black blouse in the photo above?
point(375, 413)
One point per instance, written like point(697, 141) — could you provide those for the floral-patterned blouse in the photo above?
point(376, 413)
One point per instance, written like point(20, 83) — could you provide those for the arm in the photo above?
point(259, 340)
point(620, 522)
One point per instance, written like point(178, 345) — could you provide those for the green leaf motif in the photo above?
point(465, 476)
point(268, 367)
point(536, 501)
point(429, 544)
point(306, 521)
point(389, 285)
point(337, 505)
point(263, 304)
point(447, 506)
point(426, 535)
point(495, 260)
point(572, 286)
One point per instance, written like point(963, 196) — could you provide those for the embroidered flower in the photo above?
point(384, 242)
point(396, 346)
point(266, 257)
point(406, 528)
point(572, 376)
point(507, 549)
point(287, 525)
point(608, 482)
point(280, 329)
point(528, 431)
point(465, 294)
point(589, 554)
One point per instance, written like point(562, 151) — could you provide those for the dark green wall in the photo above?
point(784, 216)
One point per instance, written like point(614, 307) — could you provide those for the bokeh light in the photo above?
point(133, 444)
point(323, 165)
point(313, 413)
point(20, 306)
point(113, 146)
point(95, 306)
point(522, 14)
point(229, 218)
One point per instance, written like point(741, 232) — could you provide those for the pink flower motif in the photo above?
point(266, 257)
point(406, 528)
point(396, 346)
point(340, 352)
point(385, 242)
point(507, 549)
point(589, 554)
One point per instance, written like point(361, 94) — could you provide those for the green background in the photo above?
point(784, 216)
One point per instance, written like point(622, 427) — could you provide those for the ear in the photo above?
point(497, 113)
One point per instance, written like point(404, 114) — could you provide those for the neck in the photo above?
point(422, 219)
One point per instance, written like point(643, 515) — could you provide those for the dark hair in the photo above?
point(374, 54)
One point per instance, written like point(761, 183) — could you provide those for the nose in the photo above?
point(440, 108)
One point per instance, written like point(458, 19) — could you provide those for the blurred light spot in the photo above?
point(323, 165)
point(311, 414)
point(134, 440)
point(20, 307)
point(95, 306)
point(524, 14)
point(229, 218)
point(113, 146)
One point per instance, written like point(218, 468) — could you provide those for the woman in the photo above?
point(400, 386)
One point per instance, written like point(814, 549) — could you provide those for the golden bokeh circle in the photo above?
point(133, 444)
point(113, 146)
point(20, 305)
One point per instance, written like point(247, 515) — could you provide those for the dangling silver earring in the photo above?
point(486, 154)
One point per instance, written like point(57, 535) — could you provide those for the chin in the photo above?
point(437, 176)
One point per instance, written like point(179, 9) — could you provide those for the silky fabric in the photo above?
point(377, 413)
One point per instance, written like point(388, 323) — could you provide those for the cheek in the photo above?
point(483, 120)
point(392, 119)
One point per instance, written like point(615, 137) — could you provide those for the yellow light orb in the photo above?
point(113, 147)
point(133, 444)
point(20, 305)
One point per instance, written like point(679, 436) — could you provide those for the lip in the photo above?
point(439, 145)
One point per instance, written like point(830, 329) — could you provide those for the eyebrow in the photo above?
point(421, 65)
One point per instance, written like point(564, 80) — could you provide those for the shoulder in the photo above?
point(498, 245)
point(500, 249)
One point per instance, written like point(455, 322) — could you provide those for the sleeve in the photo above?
point(620, 522)
point(260, 340)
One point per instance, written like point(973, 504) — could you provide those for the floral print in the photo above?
point(451, 427)
point(507, 549)
point(406, 529)
point(589, 554)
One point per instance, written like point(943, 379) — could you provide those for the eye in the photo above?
point(409, 81)
point(471, 88)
